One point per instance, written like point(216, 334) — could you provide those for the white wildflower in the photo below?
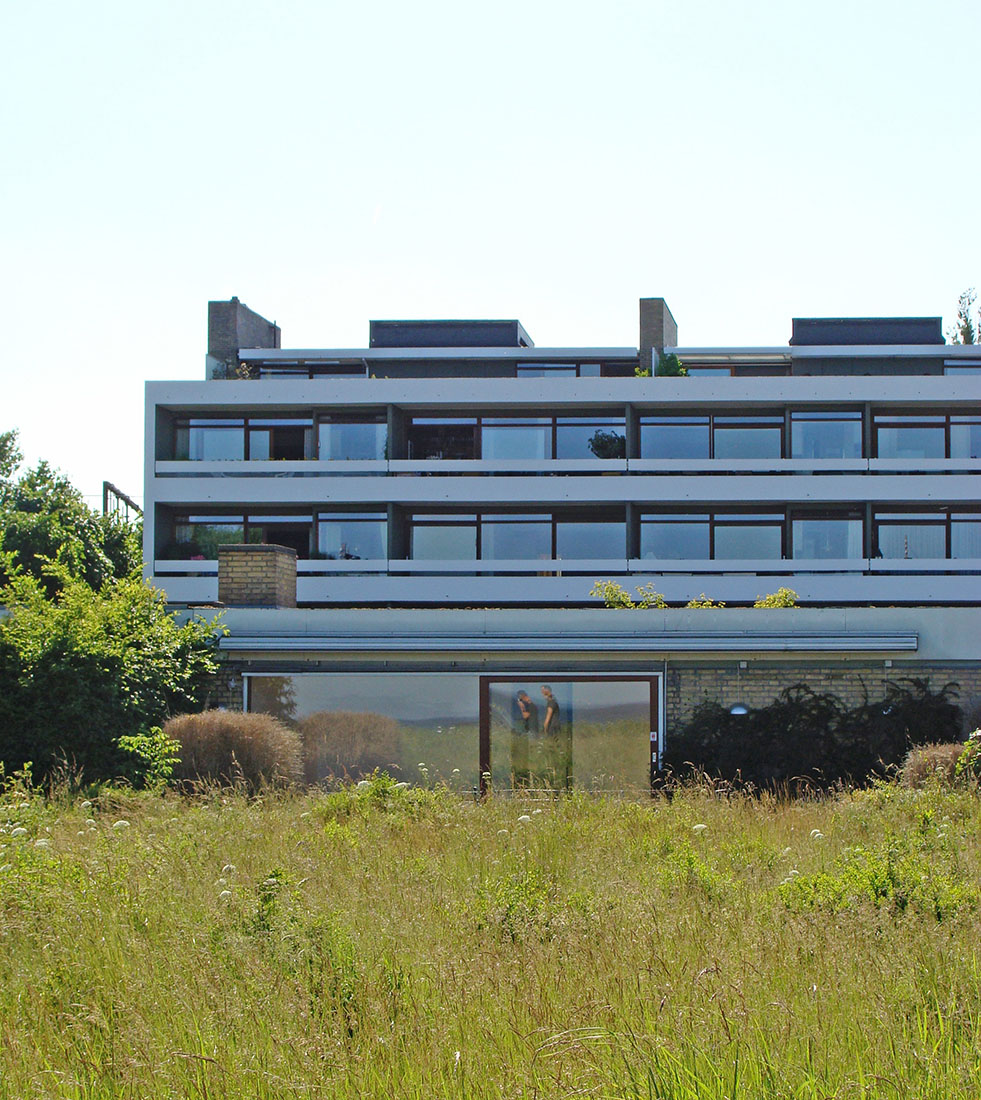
point(228, 869)
point(122, 823)
point(42, 843)
point(363, 784)
point(19, 831)
point(699, 828)
point(816, 834)
point(525, 817)
point(502, 832)
point(86, 805)
point(224, 895)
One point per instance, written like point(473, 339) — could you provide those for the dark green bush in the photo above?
point(813, 736)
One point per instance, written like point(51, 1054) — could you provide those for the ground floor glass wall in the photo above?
point(531, 732)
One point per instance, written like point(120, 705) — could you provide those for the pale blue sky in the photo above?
point(554, 161)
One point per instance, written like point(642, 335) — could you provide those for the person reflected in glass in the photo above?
point(556, 747)
point(526, 729)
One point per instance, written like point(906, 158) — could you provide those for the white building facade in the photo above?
point(452, 465)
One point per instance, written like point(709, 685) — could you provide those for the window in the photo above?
point(443, 537)
point(747, 437)
point(347, 536)
point(675, 437)
point(910, 535)
point(712, 436)
point(826, 434)
point(253, 438)
point(909, 436)
point(443, 437)
point(965, 436)
point(675, 537)
point(581, 538)
point(517, 536)
point(585, 437)
point(281, 439)
point(199, 536)
point(346, 439)
point(201, 440)
point(826, 536)
point(513, 438)
point(741, 536)
point(965, 535)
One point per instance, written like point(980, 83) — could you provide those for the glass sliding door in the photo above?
point(552, 733)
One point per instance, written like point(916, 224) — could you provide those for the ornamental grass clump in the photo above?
point(931, 762)
point(338, 743)
point(230, 747)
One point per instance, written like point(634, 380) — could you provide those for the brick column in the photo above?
point(257, 575)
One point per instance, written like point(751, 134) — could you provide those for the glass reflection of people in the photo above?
point(525, 729)
point(557, 747)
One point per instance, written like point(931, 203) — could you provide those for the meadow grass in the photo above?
point(396, 942)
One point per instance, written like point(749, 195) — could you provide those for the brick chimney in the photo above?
point(658, 330)
point(257, 575)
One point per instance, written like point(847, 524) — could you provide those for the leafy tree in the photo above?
point(85, 667)
point(43, 517)
point(965, 330)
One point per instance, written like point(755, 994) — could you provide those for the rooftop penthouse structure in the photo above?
point(410, 531)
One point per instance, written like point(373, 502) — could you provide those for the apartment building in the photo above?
point(451, 492)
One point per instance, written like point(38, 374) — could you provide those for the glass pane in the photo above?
point(909, 540)
point(827, 538)
point(444, 543)
point(591, 733)
point(965, 440)
point(965, 538)
point(674, 440)
point(910, 442)
point(747, 542)
point(201, 540)
point(674, 541)
point(826, 438)
point(259, 444)
point(590, 540)
point(420, 727)
point(216, 444)
point(340, 441)
point(533, 441)
point(546, 370)
point(348, 539)
point(448, 440)
point(504, 541)
point(731, 442)
point(602, 440)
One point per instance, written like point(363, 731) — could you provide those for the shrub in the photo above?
point(969, 761)
point(82, 669)
point(703, 601)
point(347, 743)
point(229, 746)
point(803, 733)
point(929, 761)
point(783, 597)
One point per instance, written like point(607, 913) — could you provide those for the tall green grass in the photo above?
point(398, 942)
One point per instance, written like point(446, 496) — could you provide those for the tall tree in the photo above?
point(44, 517)
point(965, 330)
